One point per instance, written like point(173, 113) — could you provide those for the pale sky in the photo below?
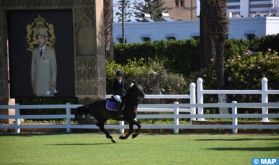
point(115, 7)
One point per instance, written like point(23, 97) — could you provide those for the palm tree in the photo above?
point(108, 28)
point(217, 29)
point(206, 44)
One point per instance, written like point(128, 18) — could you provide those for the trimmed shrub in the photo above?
point(150, 74)
point(178, 56)
point(266, 43)
point(247, 70)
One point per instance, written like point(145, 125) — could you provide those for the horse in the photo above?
point(99, 111)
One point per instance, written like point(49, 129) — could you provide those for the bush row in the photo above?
point(178, 56)
point(183, 56)
point(150, 73)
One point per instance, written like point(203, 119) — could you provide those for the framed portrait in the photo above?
point(41, 53)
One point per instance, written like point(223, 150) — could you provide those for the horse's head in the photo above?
point(137, 91)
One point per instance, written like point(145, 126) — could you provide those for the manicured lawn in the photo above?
point(83, 149)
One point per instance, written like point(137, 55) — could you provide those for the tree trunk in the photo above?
point(206, 44)
point(219, 62)
point(108, 28)
point(123, 22)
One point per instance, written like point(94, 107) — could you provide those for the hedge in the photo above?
point(178, 56)
point(150, 73)
point(183, 56)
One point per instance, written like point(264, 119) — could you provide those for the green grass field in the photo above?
point(83, 149)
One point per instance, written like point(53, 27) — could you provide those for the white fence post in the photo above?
point(121, 127)
point(234, 118)
point(192, 100)
point(200, 97)
point(176, 118)
point(264, 98)
point(17, 118)
point(68, 117)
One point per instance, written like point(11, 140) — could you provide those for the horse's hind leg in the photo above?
point(102, 128)
point(138, 130)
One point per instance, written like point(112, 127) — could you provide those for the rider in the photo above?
point(120, 87)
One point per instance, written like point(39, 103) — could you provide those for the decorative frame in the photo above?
point(90, 80)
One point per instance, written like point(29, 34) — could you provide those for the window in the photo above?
point(120, 40)
point(146, 39)
point(250, 36)
point(182, 3)
point(233, 1)
point(261, 6)
point(234, 7)
point(176, 3)
point(261, 0)
point(195, 37)
point(171, 38)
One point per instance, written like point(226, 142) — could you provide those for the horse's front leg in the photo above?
point(131, 129)
point(138, 130)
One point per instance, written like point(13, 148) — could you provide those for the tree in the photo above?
point(108, 28)
point(217, 29)
point(153, 7)
point(207, 52)
point(124, 7)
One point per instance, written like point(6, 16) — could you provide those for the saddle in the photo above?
point(112, 105)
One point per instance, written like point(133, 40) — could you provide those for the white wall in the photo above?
point(272, 26)
point(239, 27)
point(260, 26)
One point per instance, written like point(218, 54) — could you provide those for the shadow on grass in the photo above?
point(246, 149)
point(47, 134)
point(32, 134)
point(239, 139)
point(79, 144)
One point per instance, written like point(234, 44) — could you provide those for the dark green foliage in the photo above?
point(179, 56)
point(149, 73)
point(152, 7)
point(248, 69)
point(182, 56)
point(264, 43)
point(234, 47)
point(128, 11)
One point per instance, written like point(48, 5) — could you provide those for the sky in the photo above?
point(115, 7)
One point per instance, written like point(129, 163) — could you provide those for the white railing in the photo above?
point(264, 92)
point(173, 109)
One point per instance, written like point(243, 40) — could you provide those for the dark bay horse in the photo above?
point(98, 110)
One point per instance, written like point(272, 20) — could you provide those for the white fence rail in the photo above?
point(177, 112)
point(174, 109)
point(264, 92)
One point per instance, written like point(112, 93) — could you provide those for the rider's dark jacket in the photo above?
point(120, 88)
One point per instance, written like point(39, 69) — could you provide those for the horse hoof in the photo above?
point(122, 137)
point(113, 141)
point(134, 136)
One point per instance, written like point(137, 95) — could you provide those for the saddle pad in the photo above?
point(111, 105)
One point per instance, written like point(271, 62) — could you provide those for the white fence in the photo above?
point(174, 112)
point(177, 112)
point(264, 92)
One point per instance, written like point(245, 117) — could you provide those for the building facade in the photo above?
point(246, 8)
point(181, 9)
point(239, 28)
